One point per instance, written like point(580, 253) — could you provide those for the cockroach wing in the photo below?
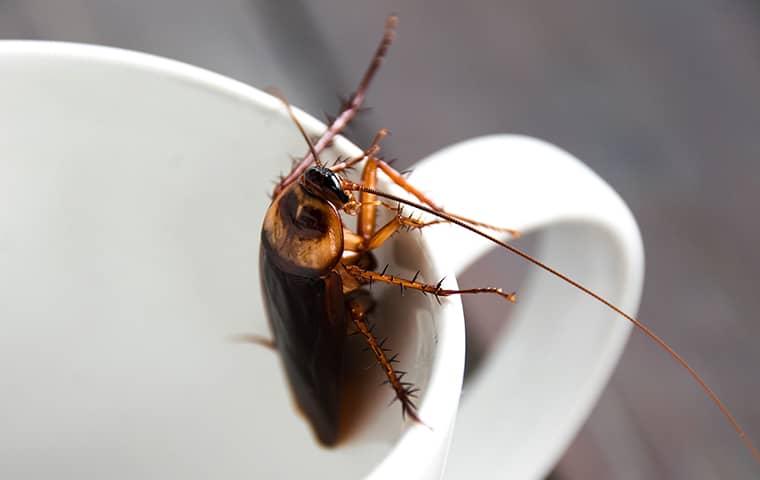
point(308, 318)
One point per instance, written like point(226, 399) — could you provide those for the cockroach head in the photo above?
point(325, 183)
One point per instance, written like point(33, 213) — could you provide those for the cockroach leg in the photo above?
point(399, 179)
point(352, 241)
point(256, 339)
point(355, 244)
point(426, 288)
point(382, 234)
point(366, 221)
point(350, 109)
point(371, 151)
point(405, 391)
point(366, 226)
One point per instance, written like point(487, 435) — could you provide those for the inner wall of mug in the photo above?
point(136, 190)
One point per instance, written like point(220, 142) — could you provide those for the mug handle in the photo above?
point(544, 375)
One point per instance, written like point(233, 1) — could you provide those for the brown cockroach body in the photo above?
point(301, 245)
point(314, 269)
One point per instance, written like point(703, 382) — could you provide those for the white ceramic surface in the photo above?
point(133, 189)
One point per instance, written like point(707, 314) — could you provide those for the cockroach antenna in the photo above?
point(292, 114)
point(351, 186)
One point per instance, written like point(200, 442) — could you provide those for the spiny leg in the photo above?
point(366, 222)
point(399, 221)
point(371, 151)
point(402, 182)
point(366, 227)
point(405, 391)
point(350, 109)
point(355, 244)
point(436, 290)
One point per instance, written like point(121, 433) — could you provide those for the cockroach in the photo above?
point(315, 269)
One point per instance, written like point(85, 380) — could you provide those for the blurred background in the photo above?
point(662, 99)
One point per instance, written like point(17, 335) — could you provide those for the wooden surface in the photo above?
point(661, 98)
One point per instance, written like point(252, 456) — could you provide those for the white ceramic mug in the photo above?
point(133, 189)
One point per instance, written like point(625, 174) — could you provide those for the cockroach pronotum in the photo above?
point(315, 269)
